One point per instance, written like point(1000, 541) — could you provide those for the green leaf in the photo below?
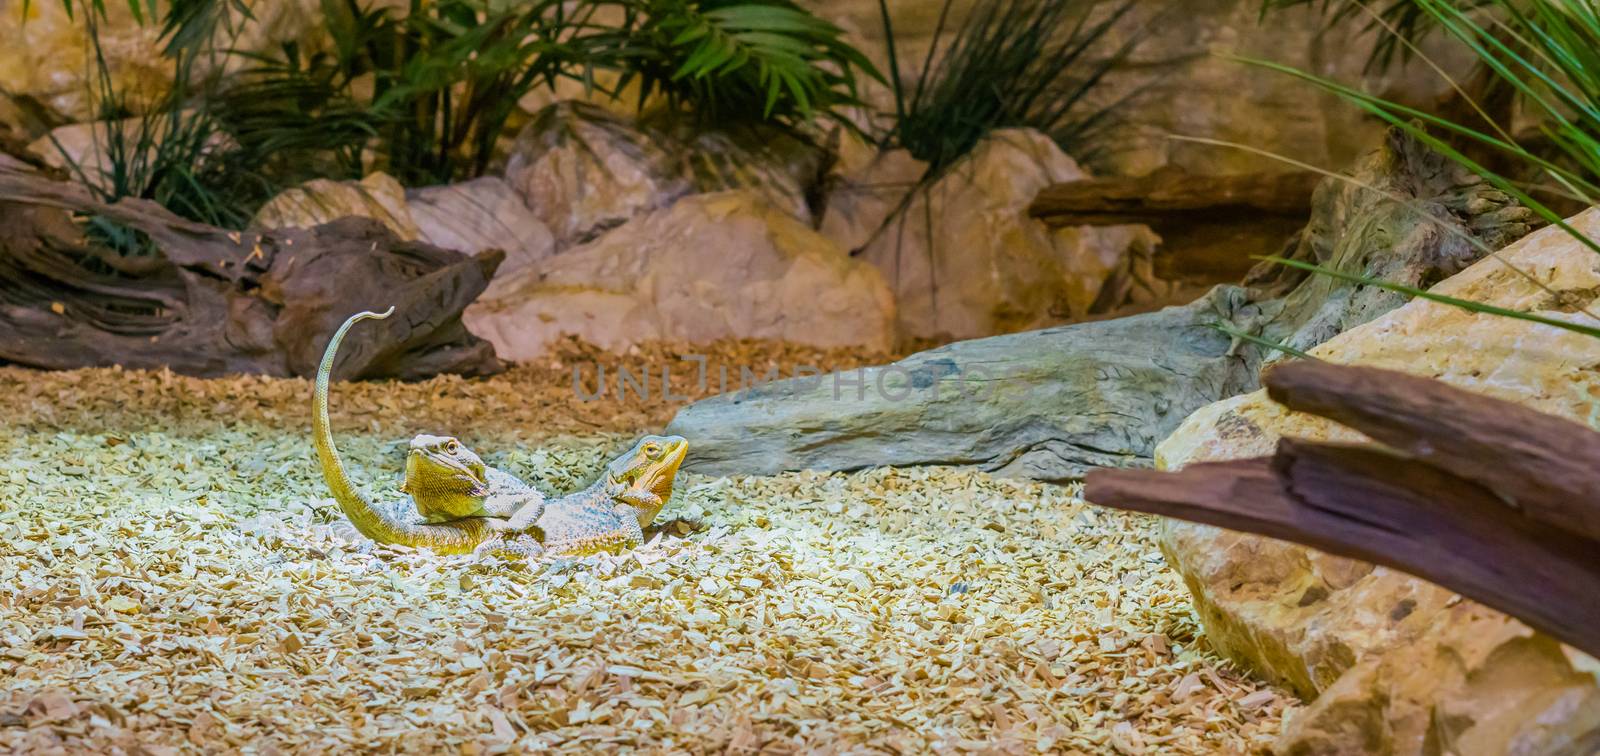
point(1260, 341)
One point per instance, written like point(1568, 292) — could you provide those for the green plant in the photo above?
point(1548, 52)
point(174, 153)
point(1014, 63)
point(425, 96)
point(737, 60)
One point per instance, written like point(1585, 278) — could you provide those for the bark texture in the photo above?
point(209, 301)
point(1482, 496)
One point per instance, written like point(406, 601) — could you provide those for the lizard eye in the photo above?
point(452, 447)
point(650, 450)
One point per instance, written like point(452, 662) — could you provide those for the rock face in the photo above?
point(1186, 88)
point(1104, 393)
point(711, 266)
point(484, 213)
point(46, 57)
point(1397, 665)
point(965, 258)
point(469, 217)
point(583, 169)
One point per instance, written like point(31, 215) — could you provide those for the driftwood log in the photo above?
point(1170, 195)
point(1050, 404)
point(210, 301)
point(1488, 498)
point(1210, 226)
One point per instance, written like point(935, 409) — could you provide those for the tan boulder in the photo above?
point(484, 213)
point(864, 188)
point(583, 169)
point(470, 216)
point(378, 196)
point(712, 266)
point(46, 58)
point(966, 260)
point(1395, 664)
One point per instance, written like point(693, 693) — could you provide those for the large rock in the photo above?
point(965, 258)
point(712, 266)
point(1395, 664)
point(583, 169)
point(378, 196)
point(471, 216)
point(1069, 398)
point(865, 187)
point(47, 63)
point(484, 213)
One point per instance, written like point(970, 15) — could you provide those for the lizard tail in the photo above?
point(372, 522)
point(451, 538)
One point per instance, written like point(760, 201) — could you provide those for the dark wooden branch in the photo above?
point(1166, 195)
point(1488, 498)
point(1383, 508)
point(1547, 466)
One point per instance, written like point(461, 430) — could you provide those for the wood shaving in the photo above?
point(179, 581)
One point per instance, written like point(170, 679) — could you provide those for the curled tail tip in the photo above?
point(365, 314)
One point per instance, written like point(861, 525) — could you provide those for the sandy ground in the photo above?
point(176, 580)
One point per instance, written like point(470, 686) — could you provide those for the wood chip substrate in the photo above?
point(177, 580)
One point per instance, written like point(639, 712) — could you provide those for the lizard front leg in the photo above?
point(645, 504)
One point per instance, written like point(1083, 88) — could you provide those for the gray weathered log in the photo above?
point(1025, 404)
point(211, 301)
point(1103, 393)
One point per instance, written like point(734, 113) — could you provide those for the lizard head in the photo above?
point(444, 478)
point(651, 465)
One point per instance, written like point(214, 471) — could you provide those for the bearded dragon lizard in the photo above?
point(447, 481)
point(611, 514)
